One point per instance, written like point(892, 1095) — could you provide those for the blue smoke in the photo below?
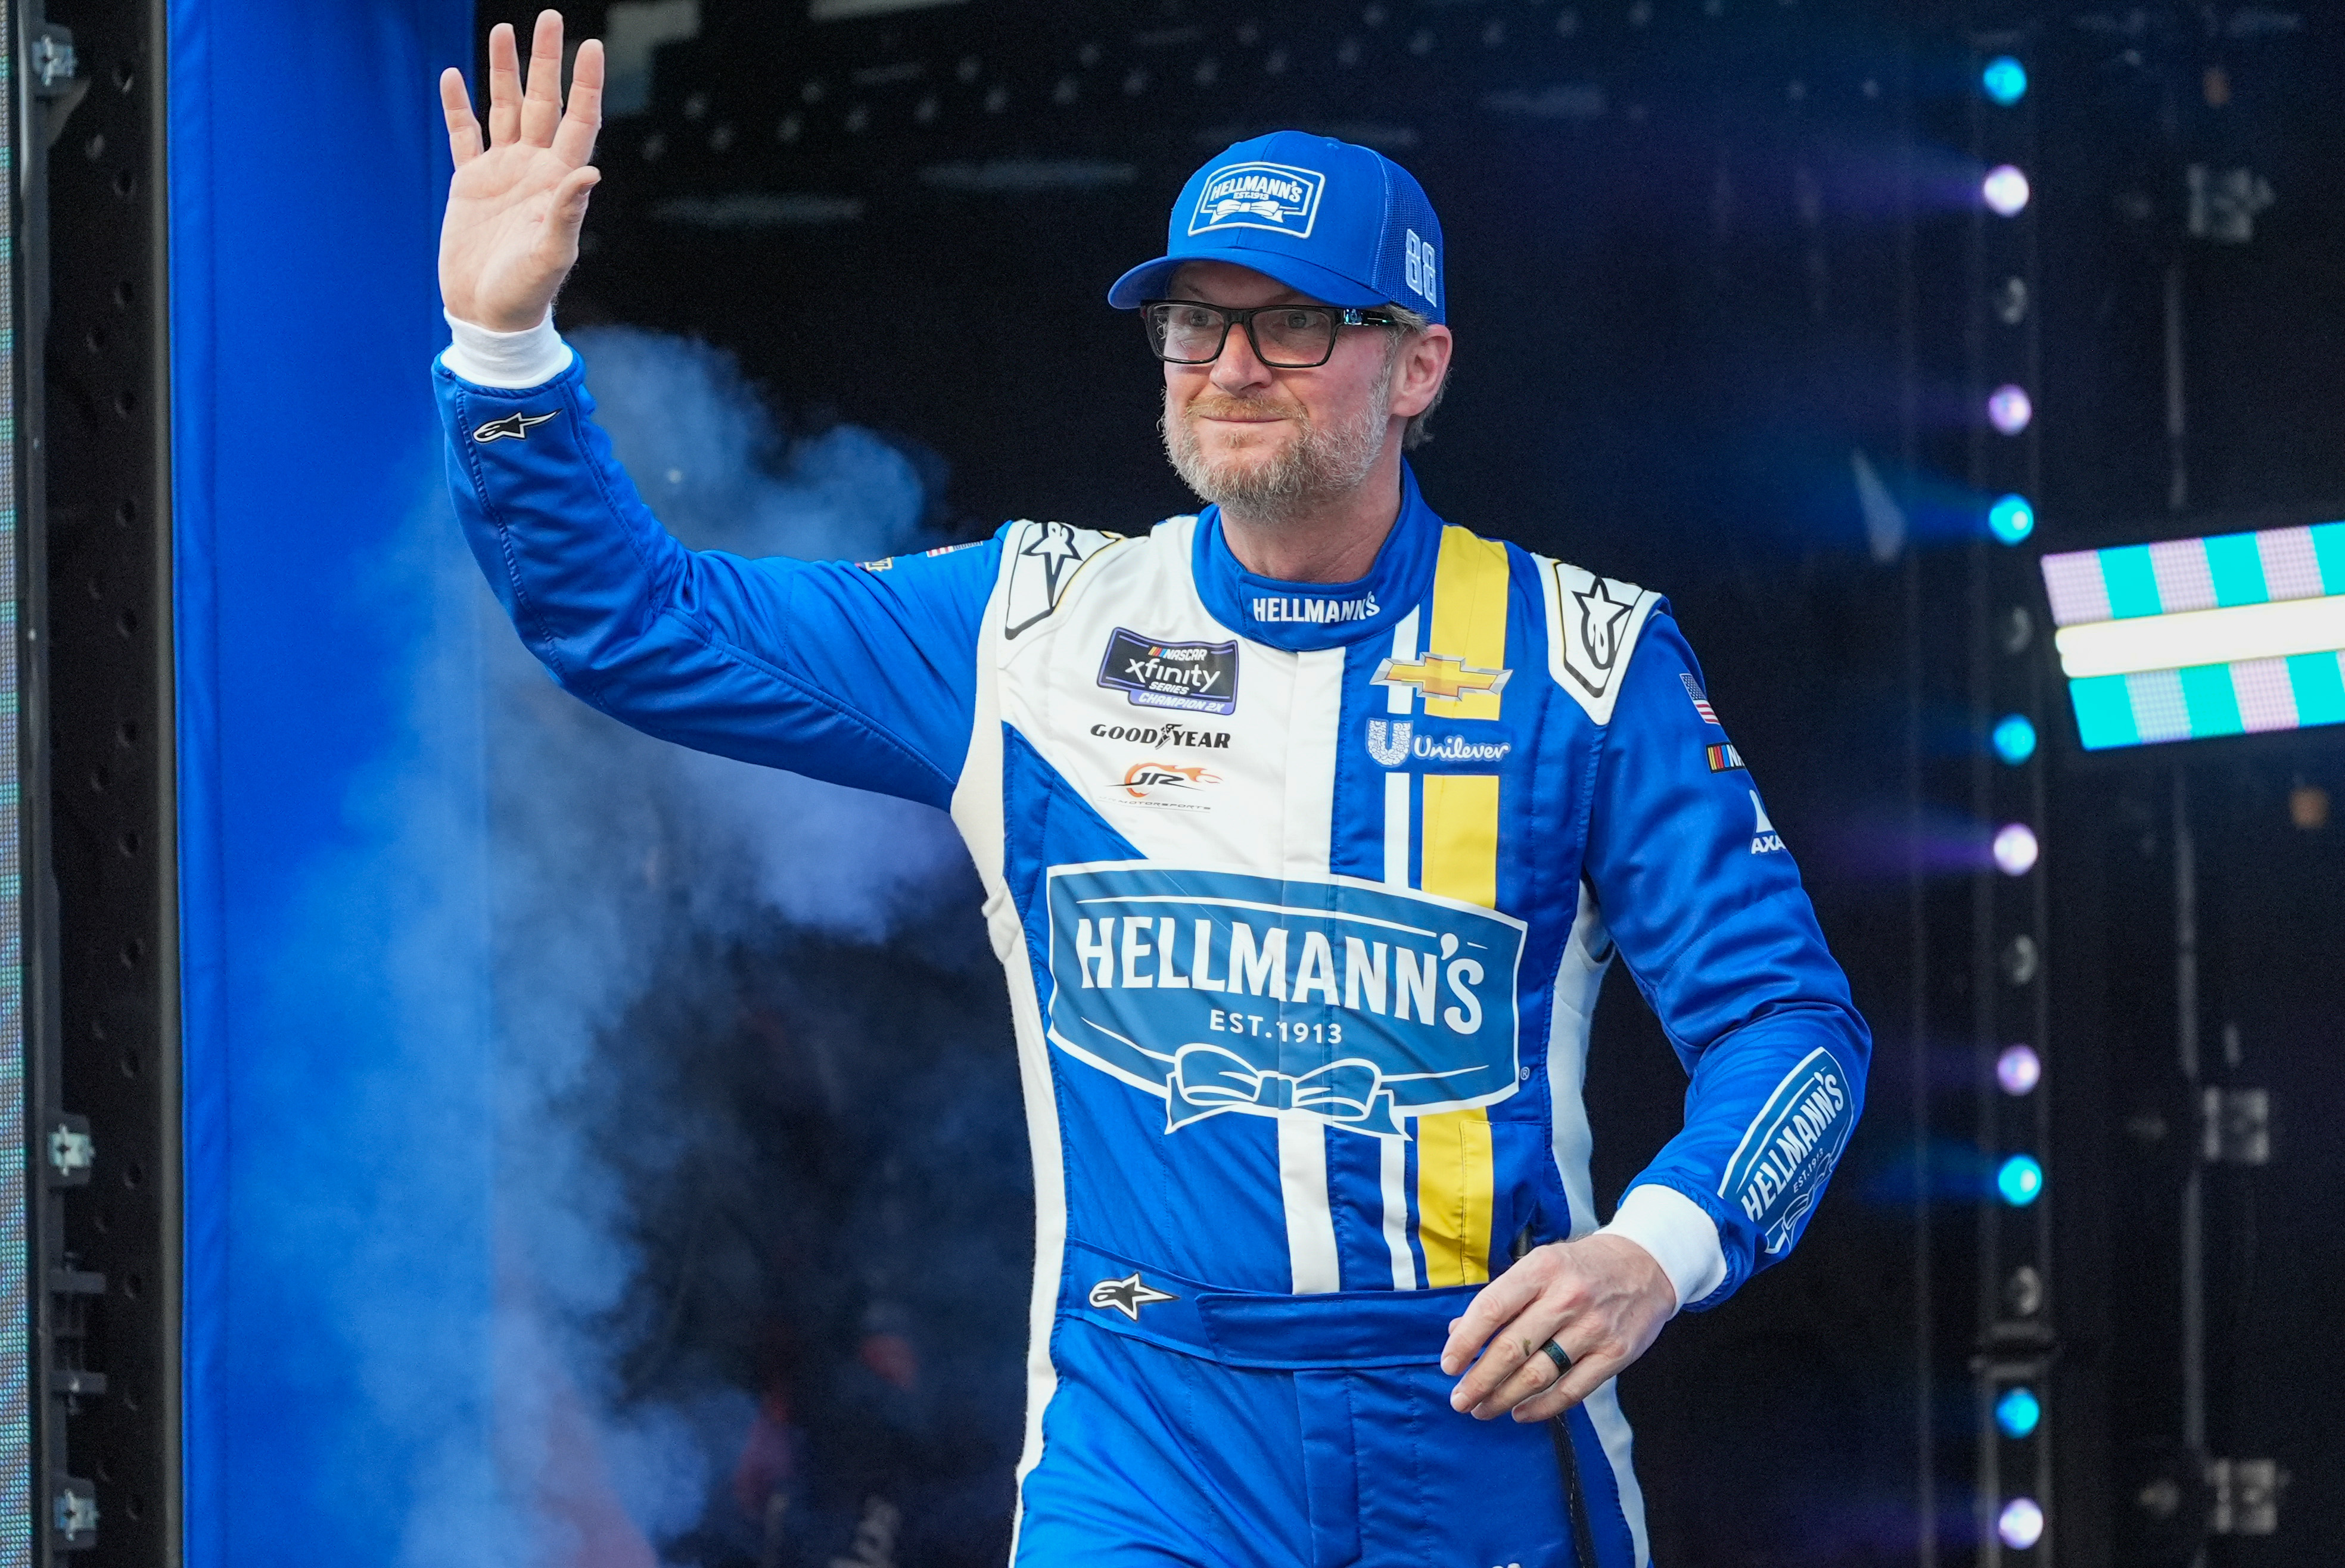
point(467, 979)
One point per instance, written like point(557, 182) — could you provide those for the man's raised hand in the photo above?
point(510, 235)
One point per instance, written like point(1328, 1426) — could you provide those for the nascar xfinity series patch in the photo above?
point(1202, 677)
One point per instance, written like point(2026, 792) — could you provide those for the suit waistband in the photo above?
point(1335, 1330)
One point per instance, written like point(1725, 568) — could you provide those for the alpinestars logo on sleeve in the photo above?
point(514, 427)
point(1128, 1295)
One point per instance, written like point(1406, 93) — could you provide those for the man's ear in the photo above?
point(1424, 366)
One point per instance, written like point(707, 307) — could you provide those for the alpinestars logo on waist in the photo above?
point(1128, 1295)
point(515, 427)
point(1438, 675)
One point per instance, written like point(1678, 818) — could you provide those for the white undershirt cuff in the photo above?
point(509, 359)
point(1682, 1238)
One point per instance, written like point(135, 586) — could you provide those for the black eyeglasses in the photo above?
point(1284, 337)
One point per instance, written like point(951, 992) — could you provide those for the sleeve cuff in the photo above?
point(510, 360)
point(1682, 1238)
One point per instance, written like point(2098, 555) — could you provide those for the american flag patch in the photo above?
point(1700, 703)
point(1721, 758)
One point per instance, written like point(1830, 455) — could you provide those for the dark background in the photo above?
point(1707, 259)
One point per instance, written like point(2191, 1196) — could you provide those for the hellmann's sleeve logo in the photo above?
point(1224, 992)
point(1791, 1148)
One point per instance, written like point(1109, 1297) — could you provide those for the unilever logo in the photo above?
point(1359, 1004)
point(1273, 196)
point(1394, 742)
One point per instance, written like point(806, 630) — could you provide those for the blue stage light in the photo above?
point(2014, 738)
point(2005, 79)
point(2019, 1180)
point(2017, 1412)
point(2011, 519)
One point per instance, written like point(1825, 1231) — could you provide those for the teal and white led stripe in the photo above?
point(2195, 637)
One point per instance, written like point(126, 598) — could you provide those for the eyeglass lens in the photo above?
point(1289, 337)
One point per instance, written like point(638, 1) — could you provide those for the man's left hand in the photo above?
point(1602, 1297)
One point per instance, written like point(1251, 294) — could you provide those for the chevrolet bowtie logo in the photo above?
point(1438, 675)
point(511, 428)
point(1128, 1295)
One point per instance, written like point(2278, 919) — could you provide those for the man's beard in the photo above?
point(1316, 464)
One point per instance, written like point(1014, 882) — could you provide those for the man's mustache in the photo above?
point(1212, 407)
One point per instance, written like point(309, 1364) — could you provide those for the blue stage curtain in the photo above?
point(336, 1081)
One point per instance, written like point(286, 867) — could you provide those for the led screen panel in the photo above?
point(15, 1301)
point(2234, 635)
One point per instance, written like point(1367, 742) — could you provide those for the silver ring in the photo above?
point(1561, 1357)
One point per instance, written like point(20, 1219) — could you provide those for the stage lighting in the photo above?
point(2005, 79)
point(2011, 519)
point(2017, 1412)
point(2019, 1180)
point(2018, 1069)
point(2014, 849)
point(2005, 189)
point(2014, 739)
point(2021, 1524)
point(2188, 638)
point(2009, 408)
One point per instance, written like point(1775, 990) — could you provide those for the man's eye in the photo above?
point(1191, 320)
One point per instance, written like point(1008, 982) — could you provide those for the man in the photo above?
point(1308, 825)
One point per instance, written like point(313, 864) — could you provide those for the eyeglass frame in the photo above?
point(1243, 315)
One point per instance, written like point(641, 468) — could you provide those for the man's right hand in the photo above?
point(510, 235)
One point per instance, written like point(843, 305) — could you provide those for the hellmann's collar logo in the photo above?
point(1311, 612)
point(1439, 675)
point(1394, 742)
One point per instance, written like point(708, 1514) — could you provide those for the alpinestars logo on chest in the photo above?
point(515, 427)
point(1128, 1295)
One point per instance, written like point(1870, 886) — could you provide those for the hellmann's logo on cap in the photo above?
point(1278, 197)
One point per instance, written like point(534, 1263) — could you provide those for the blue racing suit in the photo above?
point(1304, 891)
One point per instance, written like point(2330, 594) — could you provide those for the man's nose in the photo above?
point(1240, 370)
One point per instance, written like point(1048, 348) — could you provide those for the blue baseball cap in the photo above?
point(1343, 224)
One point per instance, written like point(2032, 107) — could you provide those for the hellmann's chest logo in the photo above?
point(1224, 992)
point(1792, 1144)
